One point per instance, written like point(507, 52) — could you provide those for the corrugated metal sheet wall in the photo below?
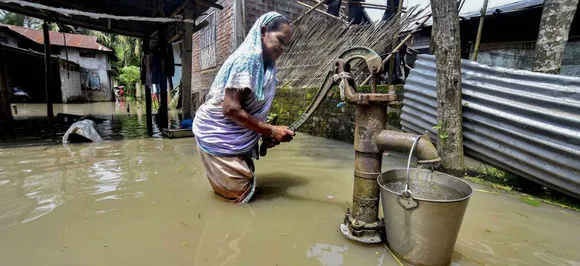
point(520, 121)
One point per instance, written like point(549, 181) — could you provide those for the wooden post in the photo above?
point(557, 17)
point(47, 71)
point(5, 111)
point(161, 118)
point(449, 108)
point(479, 31)
point(392, 71)
point(147, 82)
point(186, 62)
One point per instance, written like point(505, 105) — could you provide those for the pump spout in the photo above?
point(388, 140)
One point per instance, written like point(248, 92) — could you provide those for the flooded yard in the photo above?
point(145, 201)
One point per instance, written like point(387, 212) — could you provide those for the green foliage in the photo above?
point(20, 20)
point(128, 77)
point(394, 119)
point(530, 201)
point(507, 181)
point(496, 175)
point(442, 134)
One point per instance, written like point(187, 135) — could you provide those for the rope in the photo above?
point(342, 76)
point(397, 259)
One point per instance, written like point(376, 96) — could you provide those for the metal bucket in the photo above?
point(420, 231)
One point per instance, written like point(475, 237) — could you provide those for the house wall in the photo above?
point(224, 46)
point(70, 85)
point(226, 37)
point(100, 64)
point(523, 58)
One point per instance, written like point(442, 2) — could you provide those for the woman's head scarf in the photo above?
point(245, 67)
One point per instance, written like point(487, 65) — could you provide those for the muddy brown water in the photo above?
point(146, 201)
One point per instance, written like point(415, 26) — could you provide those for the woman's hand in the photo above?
point(281, 134)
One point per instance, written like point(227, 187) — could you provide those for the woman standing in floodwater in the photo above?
point(228, 125)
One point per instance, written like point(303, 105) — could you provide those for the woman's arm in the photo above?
point(232, 108)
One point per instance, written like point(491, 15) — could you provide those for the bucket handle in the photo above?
point(406, 198)
point(407, 193)
point(407, 202)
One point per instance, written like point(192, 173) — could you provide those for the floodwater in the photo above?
point(146, 201)
point(425, 190)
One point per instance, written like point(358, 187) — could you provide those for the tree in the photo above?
point(557, 17)
point(19, 20)
point(131, 50)
point(127, 49)
point(16, 19)
point(128, 77)
point(448, 58)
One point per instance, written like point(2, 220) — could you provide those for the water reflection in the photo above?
point(328, 255)
point(113, 123)
point(48, 192)
point(106, 176)
point(68, 172)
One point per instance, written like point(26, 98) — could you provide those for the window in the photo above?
point(3, 40)
point(207, 43)
point(87, 54)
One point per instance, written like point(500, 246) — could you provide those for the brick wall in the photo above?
point(225, 38)
point(202, 79)
point(256, 8)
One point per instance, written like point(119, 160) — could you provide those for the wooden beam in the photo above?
point(162, 114)
point(177, 36)
point(93, 25)
point(186, 69)
point(146, 65)
point(365, 5)
point(307, 12)
point(210, 4)
point(322, 12)
point(47, 71)
point(108, 11)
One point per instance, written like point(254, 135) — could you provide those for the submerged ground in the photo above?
point(136, 200)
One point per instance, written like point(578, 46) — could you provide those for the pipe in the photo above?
point(244, 19)
point(388, 140)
